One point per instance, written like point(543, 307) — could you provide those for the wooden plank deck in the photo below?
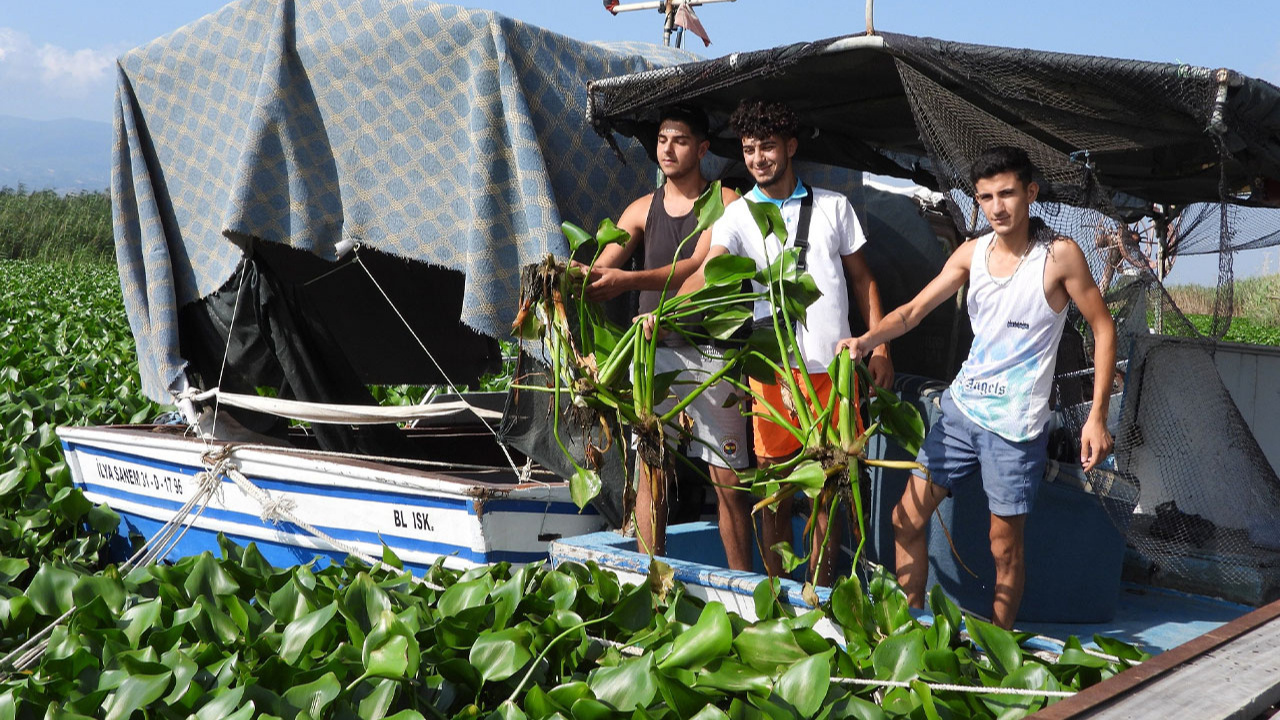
point(1232, 672)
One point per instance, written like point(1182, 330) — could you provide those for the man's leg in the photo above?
point(825, 571)
point(651, 512)
point(733, 513)
point(775, 527)
point(1007, 549)
point(911, 538)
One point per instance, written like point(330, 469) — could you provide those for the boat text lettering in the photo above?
point(419, 520)
point(139, 477)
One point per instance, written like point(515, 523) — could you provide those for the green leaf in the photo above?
point(50, 591)
point(732, 676)
point(363, 603)
point(790, 561)
point(575, 235)
point(722, 324)
point(390, 559)
point(464, 595)
point(711, 637)
point(710, 712)
point(998, 644)
point(810, 476)
point(728, 270)
point(374, 706)
point(768, 220)
point(858, 709)
point(300, 632)
point(610, 234)
point(11, 568)
point(898, 419)
point(899, 657)
point(390, 650)
point(626, 686)
point(709, 207)
point(634, 611)
point(313, 697)
point(805, 684)
point(221, 704)
point(499, 655)
point(768, 646)
point(765, 598)
point(662, 384)
point(136, 692)
point(591, 709)
point(110, 589)
point(584, 486)
point(208, 578)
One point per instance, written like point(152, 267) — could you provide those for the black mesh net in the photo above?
point(1141, 163)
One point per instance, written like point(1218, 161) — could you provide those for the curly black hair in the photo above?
point(757, 118)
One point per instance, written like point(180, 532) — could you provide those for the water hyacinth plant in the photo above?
point(607, 370)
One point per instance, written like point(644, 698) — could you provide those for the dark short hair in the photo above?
point(1002, 159)
point(693, 117)
point(756, 118)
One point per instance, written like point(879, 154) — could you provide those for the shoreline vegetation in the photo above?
point(48, 226)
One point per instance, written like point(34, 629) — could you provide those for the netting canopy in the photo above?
point(430, 135)
point(1138, 162)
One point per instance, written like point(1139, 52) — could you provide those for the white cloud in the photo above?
point(49, 81)
point(74, 69)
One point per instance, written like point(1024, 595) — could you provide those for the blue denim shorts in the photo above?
point(957, 450)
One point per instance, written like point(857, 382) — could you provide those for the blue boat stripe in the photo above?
point(343, 534)
point(207, 540)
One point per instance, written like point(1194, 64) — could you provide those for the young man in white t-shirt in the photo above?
point(768, 131)
point(1021, 277)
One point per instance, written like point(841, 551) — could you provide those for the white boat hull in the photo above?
point(463, 518)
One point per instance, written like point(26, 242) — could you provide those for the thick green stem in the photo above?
point(534, 663)
point(702, 387)
point(617, 359)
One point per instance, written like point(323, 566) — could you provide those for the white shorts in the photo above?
point(720, 433)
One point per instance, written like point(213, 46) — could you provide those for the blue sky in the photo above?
point(57, 58)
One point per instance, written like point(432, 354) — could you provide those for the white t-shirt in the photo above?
point(834, 232)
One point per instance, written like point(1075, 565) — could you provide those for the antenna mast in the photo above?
point(666, 7)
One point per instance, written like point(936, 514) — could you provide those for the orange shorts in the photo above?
point(772, 441)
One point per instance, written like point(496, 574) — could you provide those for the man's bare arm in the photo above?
point(866, 293)
point(610, 282)
point(1071, 267)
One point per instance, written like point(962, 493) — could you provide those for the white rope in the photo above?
point(944, 687)
point(276, 510)
point(337, 413)
point(432, 358)
point(632, 650)
point(226, 352)
point(528, 469)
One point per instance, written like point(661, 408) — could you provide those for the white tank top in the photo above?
point(1004, 384)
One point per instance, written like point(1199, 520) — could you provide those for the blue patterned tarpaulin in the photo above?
point(450, 136)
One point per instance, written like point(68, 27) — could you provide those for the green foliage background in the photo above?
point(46, 225)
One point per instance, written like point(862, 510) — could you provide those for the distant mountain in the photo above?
point(63, 155)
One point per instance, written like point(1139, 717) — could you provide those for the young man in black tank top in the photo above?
point(658, 222)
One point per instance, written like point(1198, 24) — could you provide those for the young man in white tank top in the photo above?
point(1021, 278)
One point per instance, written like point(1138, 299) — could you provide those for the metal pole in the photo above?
point(670, 24)
point(871, 11)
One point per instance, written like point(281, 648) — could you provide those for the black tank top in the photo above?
point(662, 233)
